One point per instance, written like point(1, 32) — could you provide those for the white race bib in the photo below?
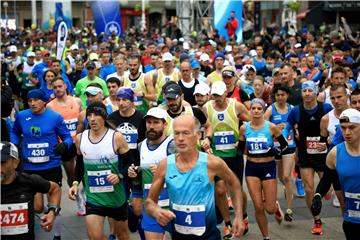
point(38, 152)
point(14, 219)
point(190, 219)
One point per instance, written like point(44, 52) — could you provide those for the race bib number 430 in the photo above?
point(14, 219)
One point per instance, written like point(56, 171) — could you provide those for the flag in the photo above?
point(61, 36)
point(222, 9)
point(107, 17)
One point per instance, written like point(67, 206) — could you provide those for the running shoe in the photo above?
point(335, 201)
point(279, 216)
point(57, 238)
point(327, 196)
point(227, 233)
point(289, 215)
point(317, 228)
point(246, 224)
point(300, 192)
point(112, 237)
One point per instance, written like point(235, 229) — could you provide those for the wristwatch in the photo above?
point(55, 208)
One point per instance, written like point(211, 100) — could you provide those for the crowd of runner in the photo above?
point(157, 134)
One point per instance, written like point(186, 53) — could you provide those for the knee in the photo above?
point(271, 209)
point(286, 179)
point(309, 189)
point(137, 210)
point(220, 191)
point(259, 208)
point(94, 235)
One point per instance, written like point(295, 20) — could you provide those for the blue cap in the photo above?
point(195, 64)
point(219, 55)
point(309, 85)
point(37, 94)
point(126, 93)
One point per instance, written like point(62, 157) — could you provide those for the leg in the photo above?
point(288, 163)
point(95, 227)
point(137, 205)
point(121, 229)
point(69, 167)
point(307, 176)
point(269, 188)
point(255, 191)
point(221, 200)
point(154, 236)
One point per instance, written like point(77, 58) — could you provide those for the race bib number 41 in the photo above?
point(190, 219)
point(14, 219)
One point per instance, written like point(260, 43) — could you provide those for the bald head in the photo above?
point(187, 121)
point(186, 134)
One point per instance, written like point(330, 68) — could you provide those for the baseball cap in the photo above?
point(219, 55)
point(228, 71)
point(218, 88)
point(74, 47)
point(45, 52)
point(350, 115)
point(204, 57)
point(172, 90)
point(195, 64)
point(167, 57)
point(93, 90)
point(8, 150)
point(297, 45)
point(91, 64)
point(156, 112)
point(93, 56)
point(12, 48)
point(252, 53)
point(275, 71)
point(202, 88)
point(228, 48)
point(30, 54)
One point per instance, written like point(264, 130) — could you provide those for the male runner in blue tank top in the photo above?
point(189, 177)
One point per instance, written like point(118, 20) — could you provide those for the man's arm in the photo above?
point(81, 126)
point(162, 216)
point(242, 112)
point(63, 132)
point(15, 133)
point(122, 148)
point(150, 89)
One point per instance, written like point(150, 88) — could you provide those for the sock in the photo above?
point(57, 225)
point(228, 223)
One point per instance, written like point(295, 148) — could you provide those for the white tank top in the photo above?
point(149, 157)
point(27, 68)
point(333, 121)
point(96, 153)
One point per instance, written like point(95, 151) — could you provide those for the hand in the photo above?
point(343, 20)
point(321, 146)
point(316, 205)
point(153, 168)
point(164, 216)
point(113, 178)
point(281, 126)
point(48, 221)
point(205, 144)
point(73, 192)
point(132, 171)
point(60, 148)
point(238, 227)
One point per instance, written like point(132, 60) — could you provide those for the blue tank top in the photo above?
point(259, 65)
point(287, 131)
point(259, 142)
point(348, 169)
point(191, 197)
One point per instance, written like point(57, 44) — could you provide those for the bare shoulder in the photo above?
point(331, 158)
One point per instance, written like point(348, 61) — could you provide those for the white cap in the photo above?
point(181, 39)
point(218, 88)
point(226, 63)
point(167, 57)
point(252, 53)
point(204, 57)
point(30, 54)
point(186, 46)
point(156, 112)
point(202, 88)
point(350, 115)
point(247, 67)
point(297, 45)
point(228, 48)
point(13, 48)
point(74, 47)
point(93, 56)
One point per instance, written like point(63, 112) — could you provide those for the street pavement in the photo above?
point(73, 227)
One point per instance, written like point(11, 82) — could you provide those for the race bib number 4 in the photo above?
point(38, 152)
point(311, 145)
point(14, 219)
point(190, 219)
point(224, 140)
point(98, 182)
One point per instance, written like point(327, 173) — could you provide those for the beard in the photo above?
point(153, 135)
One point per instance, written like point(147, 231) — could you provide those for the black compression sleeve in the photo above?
point(282, 141)
point(241, 146)
point(79, 168)
point(330, 177)
point(127, 159)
